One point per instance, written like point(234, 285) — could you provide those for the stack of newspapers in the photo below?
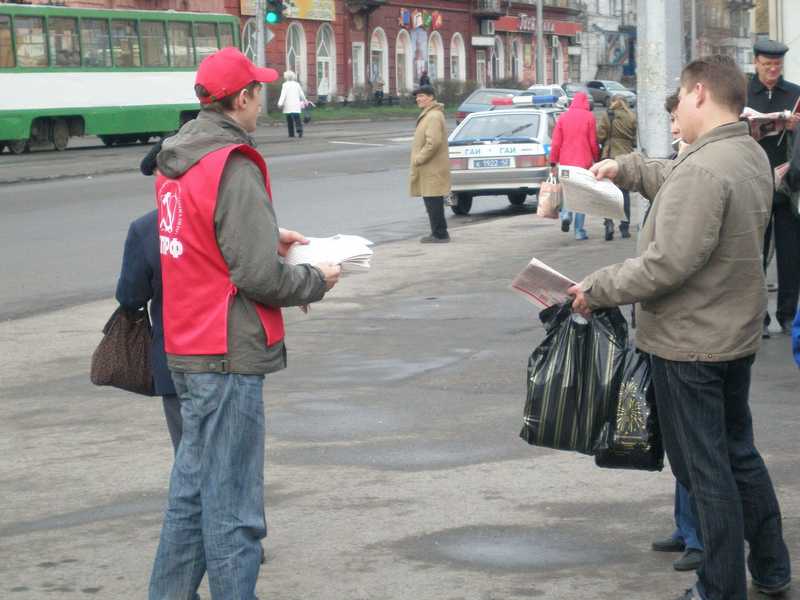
point(352, 252)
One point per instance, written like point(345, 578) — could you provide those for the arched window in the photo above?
point(435, 57)
point(458, 58)
point(498, 60)
point(403, 63)
point(379, 60)
point(296, 52)
point(516, 60)
point(326, 61)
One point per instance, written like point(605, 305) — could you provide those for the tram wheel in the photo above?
point(60, 134)
point(18, 146)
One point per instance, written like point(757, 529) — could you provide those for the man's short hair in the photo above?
point(671, 103)
point(223, 104)
point(723, 78)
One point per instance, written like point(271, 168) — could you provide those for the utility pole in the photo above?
point(261, 54)
point(540, 76)
point(660, 52)
point(693, 49)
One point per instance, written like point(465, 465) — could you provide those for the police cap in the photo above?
point(770, 48)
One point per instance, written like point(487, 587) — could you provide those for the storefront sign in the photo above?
point(527, 24)
point(315, 10)
point(482, 41)
point(412, 19)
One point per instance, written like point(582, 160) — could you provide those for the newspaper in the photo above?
point(541, 284)
point(582, 192)
point(766, 124)
point(352, 252)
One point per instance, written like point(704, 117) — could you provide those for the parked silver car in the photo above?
point(504, 151)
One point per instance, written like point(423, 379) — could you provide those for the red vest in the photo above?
point(197, 284)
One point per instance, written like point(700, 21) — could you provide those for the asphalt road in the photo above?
point(65, 219)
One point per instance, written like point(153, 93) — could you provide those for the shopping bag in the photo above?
point(573, 376)
point(549, 199)
point(122, 358)
point(631, 439)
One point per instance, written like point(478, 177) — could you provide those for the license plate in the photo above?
point(491, 163)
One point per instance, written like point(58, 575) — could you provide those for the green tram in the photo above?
point(123, 75)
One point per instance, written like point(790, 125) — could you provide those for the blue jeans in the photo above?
point(215, 513)
point(580, 232)
point(685, 519)
point(707, 429)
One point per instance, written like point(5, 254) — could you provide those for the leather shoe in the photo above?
point(668, 545)
point(565, 223)
point(772, 590)
point(690, 561)
point(690, 594)
point(432, 239)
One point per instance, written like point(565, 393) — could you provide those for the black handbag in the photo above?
point(122, 358)
point(631, 439)
point(573, 377)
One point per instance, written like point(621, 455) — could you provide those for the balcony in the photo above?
point(489, 8)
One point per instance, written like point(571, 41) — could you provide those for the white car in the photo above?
point(504, 151)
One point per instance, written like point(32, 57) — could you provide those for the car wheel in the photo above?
point(517, 198)
point(461, 204)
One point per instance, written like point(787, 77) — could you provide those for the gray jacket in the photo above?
point(699, 275)
point(247, 235)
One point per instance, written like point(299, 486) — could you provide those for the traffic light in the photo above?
point(274, 13)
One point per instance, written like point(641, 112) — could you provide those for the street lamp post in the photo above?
point(261, 55)
point(540, 42)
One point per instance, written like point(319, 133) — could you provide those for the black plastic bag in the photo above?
point(573, 377)
point(631, 439)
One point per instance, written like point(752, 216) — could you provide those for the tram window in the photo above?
point(29, 32)
point(205, 39)
point(64, 47)
point(154, 43)
point(125, 44)
point(6, 53)
point(225, 35)
point(94, 40)
point(180, 35)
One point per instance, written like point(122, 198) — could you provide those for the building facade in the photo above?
point(609, 40)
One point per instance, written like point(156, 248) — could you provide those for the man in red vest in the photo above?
point(224, 284)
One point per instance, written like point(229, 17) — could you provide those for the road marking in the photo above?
point(403, 139)
point(356, 143)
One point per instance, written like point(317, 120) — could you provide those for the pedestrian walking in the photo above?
point(616, 133)
point(685, 538)
point(768, 91)
point(223, 288)
point(575, 144)
point(292, 101)
point(424, 79)
point(139, 287)
point(430, 163)
point(700, 283)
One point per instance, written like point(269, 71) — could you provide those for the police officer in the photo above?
point(768, 92)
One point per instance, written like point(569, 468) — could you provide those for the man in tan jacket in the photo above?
point(430, 164)
point(701, 287)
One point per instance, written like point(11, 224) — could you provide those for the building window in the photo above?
point(296, 52)
point(326, 61)
point(458, 58)
point(404, 63)
point(31, 45)
point(358, 63)
point(498, 58)
point(516, 60)
point(480, 67)
point(558, 60)
point(435, 57)
point(379, 61)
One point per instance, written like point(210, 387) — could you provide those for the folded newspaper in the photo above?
point(352, 252)
point(766, 124)
point(541, 284)
point(583, 193)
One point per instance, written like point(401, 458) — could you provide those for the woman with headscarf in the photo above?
point(616, 133)
point(292, 100)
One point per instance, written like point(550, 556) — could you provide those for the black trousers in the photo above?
point(626, 205)
point(293, 121)
point(787, 251)
point(705, 420)
point(435, 207)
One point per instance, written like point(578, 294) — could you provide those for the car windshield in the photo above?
point(486, 97)
point(571, 88)
point(504, 127)
point(613, 85)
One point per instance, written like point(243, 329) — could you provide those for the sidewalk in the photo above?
point(394, 466)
